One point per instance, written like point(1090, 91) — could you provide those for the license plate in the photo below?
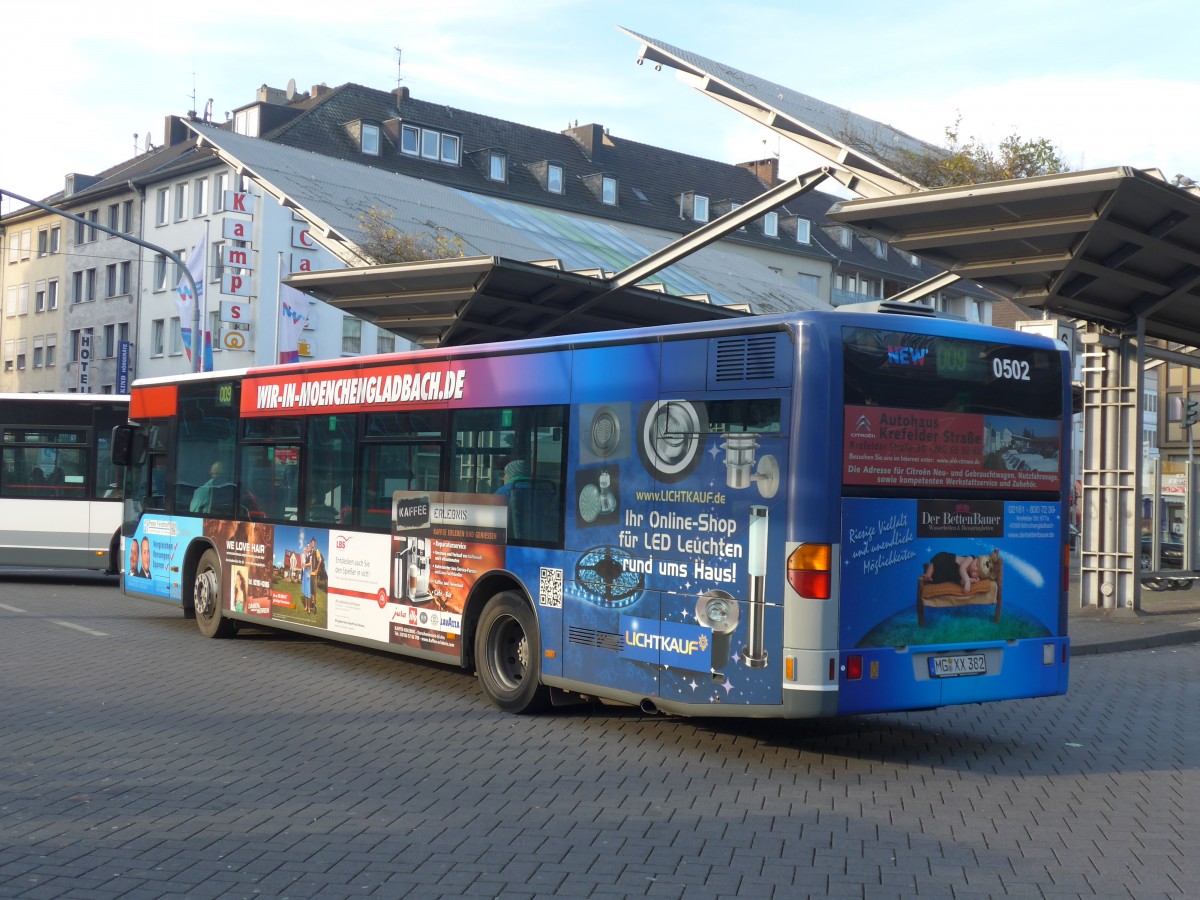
point(953, 666)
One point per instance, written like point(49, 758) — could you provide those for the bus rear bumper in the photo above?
point(892, 679)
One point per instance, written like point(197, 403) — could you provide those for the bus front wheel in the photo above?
point(206, 594)
point(507, 655)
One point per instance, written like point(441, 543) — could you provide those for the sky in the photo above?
point(1107, 84)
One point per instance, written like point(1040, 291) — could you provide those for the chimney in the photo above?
point(591, 138)
point(401, 94)
point(765, 170)
point(175, 132)
point(318, 90)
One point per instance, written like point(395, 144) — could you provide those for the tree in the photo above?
point(383, 242)
point(970, 161)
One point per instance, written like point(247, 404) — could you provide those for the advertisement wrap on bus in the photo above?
point(686, 519)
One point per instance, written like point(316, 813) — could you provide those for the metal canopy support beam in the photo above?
point(1114, 383)
point(925, 288)
point(718, 228)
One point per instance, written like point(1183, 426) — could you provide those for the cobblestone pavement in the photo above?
point(138, 759)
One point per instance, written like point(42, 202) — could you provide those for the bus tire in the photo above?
point(206, 595)
point(507, 655)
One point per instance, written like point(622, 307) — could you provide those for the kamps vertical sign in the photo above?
point(237, 259)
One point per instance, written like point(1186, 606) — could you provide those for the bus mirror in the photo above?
point(128, 447)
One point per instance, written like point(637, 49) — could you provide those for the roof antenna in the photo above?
point(399, 70)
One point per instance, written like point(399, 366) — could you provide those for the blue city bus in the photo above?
point(815, 514)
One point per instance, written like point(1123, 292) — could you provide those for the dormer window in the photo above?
point(497, 166)
point(554, 179)
point(603, 186)
point(370, 139)
point(845, 238)
point(410, 139)
point(430, 143)
point(771, 224)
point(693, 206)
point(803, 231)
point(608, 190)
point(245, 121)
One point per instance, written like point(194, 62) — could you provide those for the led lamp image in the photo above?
point(755, 653)
point(718, 610)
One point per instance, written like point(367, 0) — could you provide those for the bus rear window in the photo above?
point(926, 371)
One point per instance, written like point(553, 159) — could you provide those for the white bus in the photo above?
point(60, 497)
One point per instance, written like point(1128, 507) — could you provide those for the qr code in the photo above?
point(550, 588)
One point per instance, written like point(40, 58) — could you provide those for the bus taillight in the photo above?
point(808, 571)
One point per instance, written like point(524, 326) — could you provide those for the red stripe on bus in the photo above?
point(154, 402)
point(357, 595)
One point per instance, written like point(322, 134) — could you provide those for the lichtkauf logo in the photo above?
point(863, 427)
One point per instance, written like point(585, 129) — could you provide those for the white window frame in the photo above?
point(608, 190)
point(52, 294)
point(410, 140)
point(771, 224)
point(55, 240)
point(200, 197)
point(157, 336)
point(369, 139)
point(803, 231)
point(555, 182)
point(699, 207)
point(351, 331)
point(220, 186)
point(181, 201)
point(176, 348)
point(51, 350)
point(162, 208)
point(497, 167)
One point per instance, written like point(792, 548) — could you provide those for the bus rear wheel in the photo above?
point(206, 594)
point(507, 655)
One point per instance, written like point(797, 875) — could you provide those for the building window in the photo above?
point(200, 197)
point(410, 138)
point(845, 238)
point(23, 299)
point(608, 190)
point(39, 297)
point(554, 179)
point(38, 352)
point(84, 284)
point(55, 239)
point(803, 231)
point(245, 121)
point(160, 272)
point(10, 305)
point(22, 343)
point(181, 198)
point(370, 139)
point(51, 350)
point(52, 294)
point(700, 208)
point(77, 287)
point(176, 337)
point(110, 341)
point(430, 144)
point(771, 224)
point(157, 335)
point(110, 280)
point(351, 335)
point(114, 217)
point(75, 333)
point(127, 217)
point(497, 167)
point(220, 186)
point(43, 245)
point(162, 206)
point(385, 342)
